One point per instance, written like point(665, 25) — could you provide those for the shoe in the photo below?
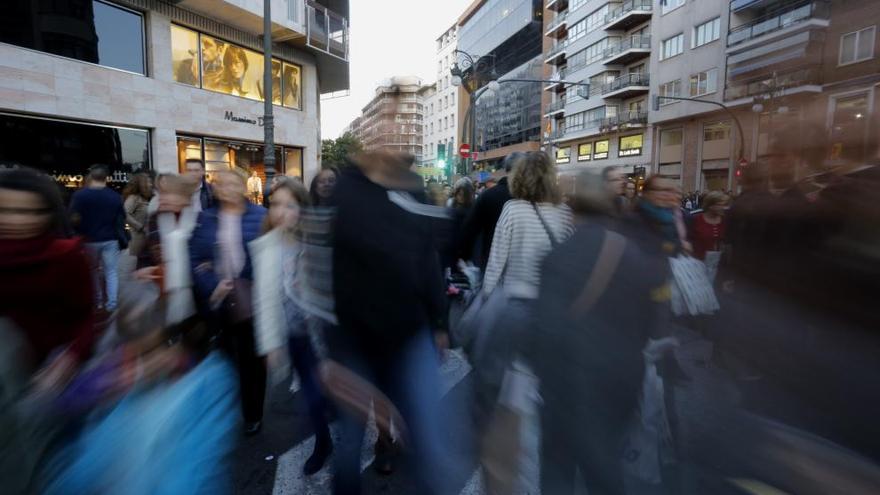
point(323, 449)
point(252, 428)
point(384, 450)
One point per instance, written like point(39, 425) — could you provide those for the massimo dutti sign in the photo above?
point(244, 120)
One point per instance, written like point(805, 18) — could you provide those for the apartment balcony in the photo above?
point(793, 18)
point(557, 27)
point(555, 107)
point(627, 86)
point(741, 6)
point(799, 80)
point(628, 14)
point(557, 5)
point(555, 78)
point(556, 54)
point(628, 50)
point(624, 121)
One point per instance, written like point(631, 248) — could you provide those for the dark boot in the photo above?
point(323, 449)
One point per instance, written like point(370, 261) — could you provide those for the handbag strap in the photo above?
point(610, 253)
point(553, 241)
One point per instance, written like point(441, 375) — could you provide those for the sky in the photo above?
point(388, 38)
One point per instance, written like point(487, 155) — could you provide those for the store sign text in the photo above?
point(245, 120)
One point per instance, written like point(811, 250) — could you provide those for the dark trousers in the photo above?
point(238, 342)
point(593, 446)
point(306, 364)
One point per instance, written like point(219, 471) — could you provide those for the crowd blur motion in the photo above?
point(624, 337)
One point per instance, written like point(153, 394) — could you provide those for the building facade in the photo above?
point(441, 110)
point(758, 73)
point(506, 35)
point(393, 119)
point(145, 85)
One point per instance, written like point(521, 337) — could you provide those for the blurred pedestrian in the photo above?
point(390, 302)
point(531, 225)
point(661, 214)
point(281, 317)
point(45, 280)
point(615, 185)
point(222, 273)
point(323, 185)
point(165, 257)
point(706, 231)
point(203, 197)
point(479, 225)
point(99, 217)
point(136, 199)
point(597, 306)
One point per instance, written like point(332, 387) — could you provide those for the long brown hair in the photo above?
point(534, 179)
point(138, 184)
point(296, 189)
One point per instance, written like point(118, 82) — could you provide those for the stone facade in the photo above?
point(40, 84)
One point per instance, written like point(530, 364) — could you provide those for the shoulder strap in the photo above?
point(606, 264)
point(553, 241)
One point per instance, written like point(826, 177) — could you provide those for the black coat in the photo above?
point(480, 222)
point(597, 354)
point(386, 272)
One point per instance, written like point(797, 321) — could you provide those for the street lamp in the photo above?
point(268, 118)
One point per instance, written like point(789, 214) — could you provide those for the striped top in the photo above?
point(520, 244)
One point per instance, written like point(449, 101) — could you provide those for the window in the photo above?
point(630, 145)
point(231, 69)
point(563, 155)
point(704, 83)
point(67, 149)
point(670, 137)
point(670, 5)
point(90, 31)
point(596, 51)
point(576, 4)
point(577, 31)
point(672, 46)
point(706, 32)
point(571, 94)
point(672, 88)
point(597, 18)
point(716, 131)
point(574, 122)
point(601, 151)
point(857, 46)
point(585, 152)
point(595, 115)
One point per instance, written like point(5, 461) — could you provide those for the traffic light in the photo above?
point(441, 155)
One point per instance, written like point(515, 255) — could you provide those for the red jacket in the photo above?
point(46, 289)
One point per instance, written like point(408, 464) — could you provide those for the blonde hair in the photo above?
point(714, 198)
point(534, 179)
point(237, 172)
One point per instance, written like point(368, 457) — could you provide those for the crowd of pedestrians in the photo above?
point(126, 374)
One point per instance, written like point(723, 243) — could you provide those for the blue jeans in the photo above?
point(105, 255)
point(412, 383)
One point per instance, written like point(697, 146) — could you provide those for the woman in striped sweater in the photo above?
point(532, 223)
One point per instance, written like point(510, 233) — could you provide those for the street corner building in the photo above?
point(147, 84)
point(643, 84)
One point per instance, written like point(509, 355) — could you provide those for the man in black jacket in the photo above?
point(389, 300)
point(480, 223)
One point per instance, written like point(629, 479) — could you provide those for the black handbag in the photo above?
point(123, 236)
point(240, 302)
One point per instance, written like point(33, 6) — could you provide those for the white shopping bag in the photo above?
point(691, 280)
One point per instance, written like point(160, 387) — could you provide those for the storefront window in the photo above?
point(231, 69)
point(293, 162)
point(292, 86)
point(201, 60)
point(848, 128)
point(601, 151)
point(185, 55)
point(223, 155)
point(563, 155)
point(91, 31)
point(585, 152)
point(630, 145)
point(66, 149)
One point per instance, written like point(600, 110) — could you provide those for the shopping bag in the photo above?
point(650, 433)
point(692, 292)
point(479, 320)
